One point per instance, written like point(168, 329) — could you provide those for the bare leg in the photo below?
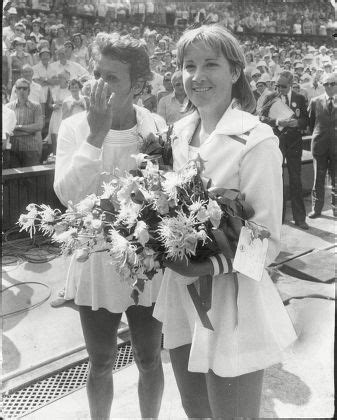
point(191, 385)
point(100, 334)
point(146, 342)
point(235, 397)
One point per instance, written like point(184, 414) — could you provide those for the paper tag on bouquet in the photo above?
point(250, 254)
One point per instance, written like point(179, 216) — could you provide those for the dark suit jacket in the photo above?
point(323, 126)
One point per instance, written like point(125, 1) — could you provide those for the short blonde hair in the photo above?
point(223, 42)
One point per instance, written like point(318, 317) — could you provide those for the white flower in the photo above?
point(170, 184)
point(202, 214)
point(109, 188)
point(31, 207)
point(65, 236)
point(47, 214)
point(85, 206)
point(141, 232)
point(196, 205)
point(27, 223)
point(214, 212)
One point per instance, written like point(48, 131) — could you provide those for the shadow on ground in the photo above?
point(284, 386)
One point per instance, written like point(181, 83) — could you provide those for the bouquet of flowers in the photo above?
point(146, 216)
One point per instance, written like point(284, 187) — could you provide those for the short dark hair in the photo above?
point(126, 49)
point(74, 82)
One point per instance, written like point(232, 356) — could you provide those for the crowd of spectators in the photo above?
point(53, 53)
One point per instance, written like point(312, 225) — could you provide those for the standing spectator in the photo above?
point(59, 40)
point(36, 25)
point(262, 90)
point(36, 93)
point(76, 70)
point(75, 102)
point(288, 131)
point(297, 27)
point(43, 72)
point(172, 106)
point(26, 141)
point(6, 67)
point(81, 52)
point(323, 124)
point(59, 93)
point(19, 58)
point(8, 33)
point(69, 51)
point(168, 88)
point(148, 100)
point(8, 125)
point(313, 88)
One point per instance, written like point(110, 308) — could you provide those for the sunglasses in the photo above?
point(281, 86)
point(22, 88)
point(329, 84)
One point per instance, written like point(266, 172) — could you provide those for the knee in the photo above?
point(101, 365)
point(147, 362)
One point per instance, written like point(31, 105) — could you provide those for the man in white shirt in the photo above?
point(8, 125)
point(76, 70)
point(43, 72)
point(36, 93)
point(172, 106)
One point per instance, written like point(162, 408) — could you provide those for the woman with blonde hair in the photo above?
point(219, 373)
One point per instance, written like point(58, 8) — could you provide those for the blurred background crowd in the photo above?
point(47, 54)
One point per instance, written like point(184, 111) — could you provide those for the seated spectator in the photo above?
point(26, 141)
point(312, 87)
point(69, 51)
point(172, 107)
point(262, 91)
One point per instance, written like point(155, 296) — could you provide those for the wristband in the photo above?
point(220, 264)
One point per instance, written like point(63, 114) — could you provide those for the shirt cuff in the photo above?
point(89, 151)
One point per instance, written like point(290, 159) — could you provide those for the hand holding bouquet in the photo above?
point(144, 217)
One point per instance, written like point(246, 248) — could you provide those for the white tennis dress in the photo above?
point(80, 170)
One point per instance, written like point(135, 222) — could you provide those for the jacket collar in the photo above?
point(233, 122)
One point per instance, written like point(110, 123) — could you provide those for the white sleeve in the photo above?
point(77, 168)
point(261, 183)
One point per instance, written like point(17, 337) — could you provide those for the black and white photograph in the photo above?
point(168, 209)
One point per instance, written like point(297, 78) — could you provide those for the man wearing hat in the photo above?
point(323, 124)
point(290, 137)
point(43, 72)
point(256, 74)
point(263, 90)
point(299, 68)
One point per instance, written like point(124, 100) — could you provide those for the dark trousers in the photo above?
point(322, 164)
point(292, 152)
point(24, 158)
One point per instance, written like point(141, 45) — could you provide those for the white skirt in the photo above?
point(95, 283)
point(263, 331)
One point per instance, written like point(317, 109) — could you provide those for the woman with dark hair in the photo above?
point(76, 102)
point(219, 373)
point(149, 100)
point(91, 146)
point(80, 52)
point(59, 40)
